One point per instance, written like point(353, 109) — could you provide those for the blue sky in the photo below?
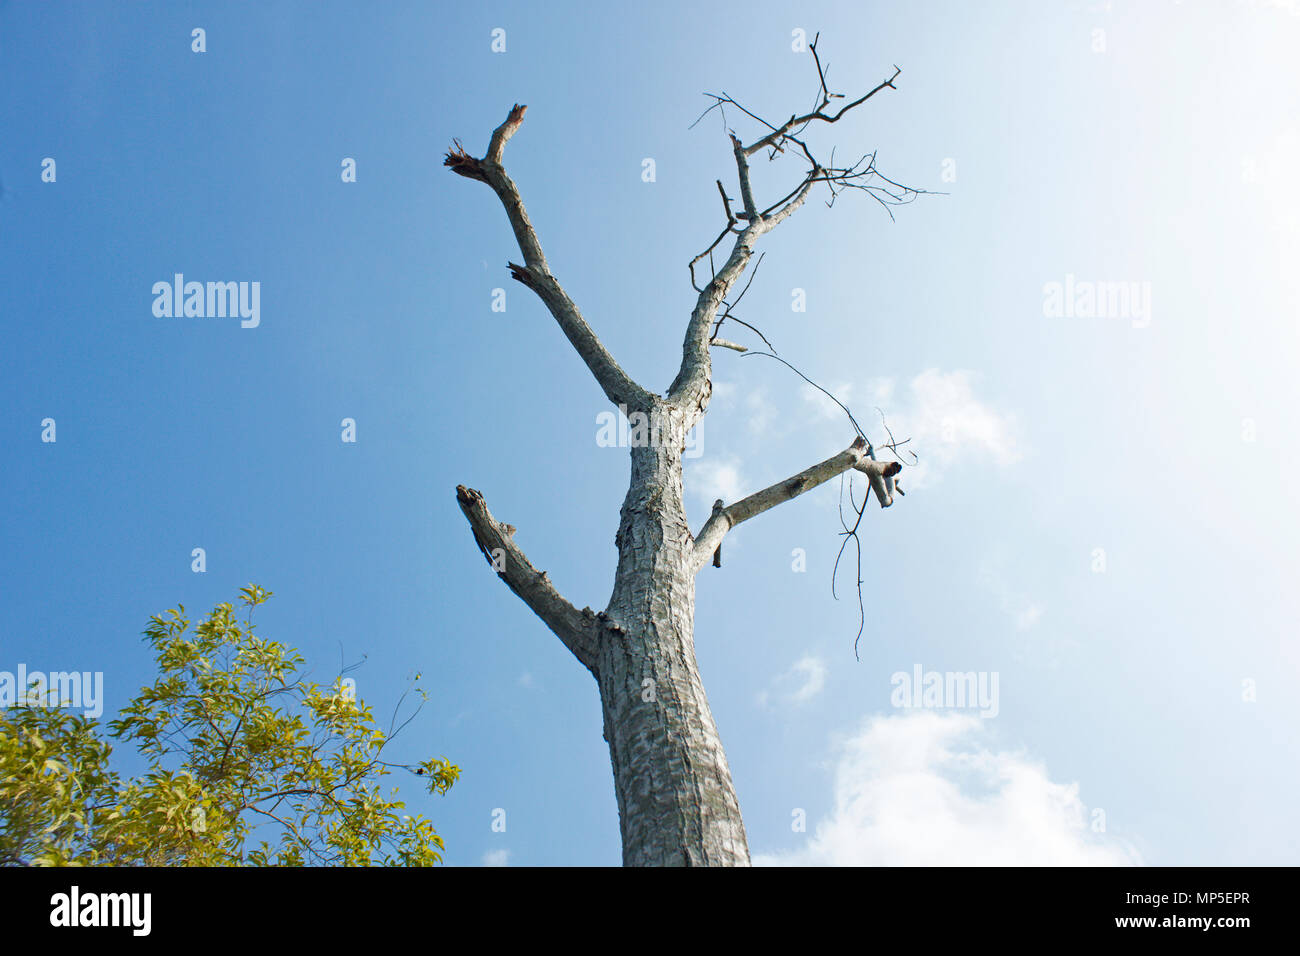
point(1149, 143)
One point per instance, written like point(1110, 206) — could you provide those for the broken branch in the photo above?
point(855, 457)
point(578, 630)
point(616, 383)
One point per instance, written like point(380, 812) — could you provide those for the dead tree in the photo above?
point(676, 801)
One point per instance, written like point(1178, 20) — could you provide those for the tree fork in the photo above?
point(677, 802)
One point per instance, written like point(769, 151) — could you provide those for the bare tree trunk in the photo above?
point(677, 804)
point(676, 801)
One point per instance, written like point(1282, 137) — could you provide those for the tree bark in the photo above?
point(677, 804)
point(676, 800)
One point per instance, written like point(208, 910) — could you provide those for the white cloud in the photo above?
point(944, 407)
point(710, 479)
point(496, 858)
point(814, 674)
point(724, 392)
point(805, 679)
point(938, 411)
point(925, 789)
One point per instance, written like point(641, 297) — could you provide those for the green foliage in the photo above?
point(250, 765)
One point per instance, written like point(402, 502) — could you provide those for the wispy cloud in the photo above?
point(927, 789)
point(496, 858)
point(805, 679)
point(941, 414)
point(712, 478)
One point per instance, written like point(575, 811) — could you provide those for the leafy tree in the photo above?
point(250, 765)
